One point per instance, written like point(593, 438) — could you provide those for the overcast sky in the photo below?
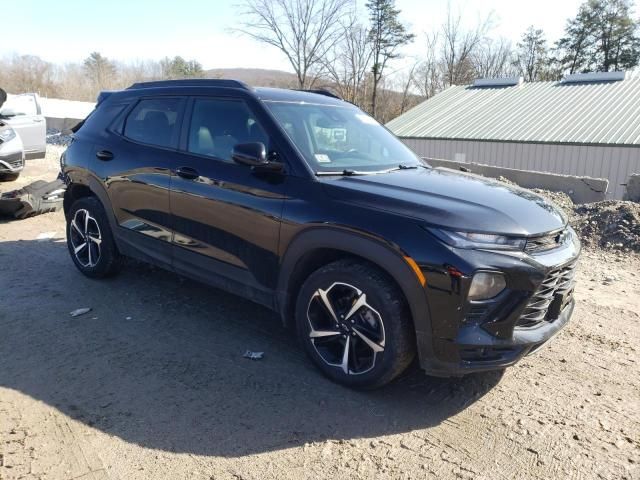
point(68, 30)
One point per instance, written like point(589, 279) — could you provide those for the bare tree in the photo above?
point(459, 46)
point(428, 75)
point(72, 83)
point(27, 73)
point(408, 81)
point(348, 62)
point(493, 59)
point(304, 30)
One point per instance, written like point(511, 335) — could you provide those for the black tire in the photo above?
point(9, 177)
point(109, 259)
point(342, 283)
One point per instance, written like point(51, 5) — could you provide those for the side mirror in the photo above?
point(255, 155)
point(252, 154)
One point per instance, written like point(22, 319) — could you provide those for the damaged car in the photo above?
point(302, 202)
point(23, 132)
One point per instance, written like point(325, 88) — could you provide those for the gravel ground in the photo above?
point(152, 384)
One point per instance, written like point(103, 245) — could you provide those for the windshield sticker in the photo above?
point(322, 158)
point(366, 119)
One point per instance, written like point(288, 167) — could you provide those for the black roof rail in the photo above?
point(192, 82)
point(323, 91)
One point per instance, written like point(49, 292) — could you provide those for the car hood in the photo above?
point(452, 200)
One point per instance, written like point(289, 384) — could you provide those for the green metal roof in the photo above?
point(540, 112)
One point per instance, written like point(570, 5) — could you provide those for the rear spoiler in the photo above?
point(102, 96)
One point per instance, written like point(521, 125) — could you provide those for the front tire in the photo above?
point(90, 240)
point(9, 177)
point(355, 325)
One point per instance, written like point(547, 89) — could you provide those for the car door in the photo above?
point(24, 115)
point(226, 216)
point(133, 159)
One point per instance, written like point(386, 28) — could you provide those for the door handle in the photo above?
point(104, 155)
point(187, 172)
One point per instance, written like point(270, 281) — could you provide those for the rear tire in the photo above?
point(90, 240)
point(355, 325)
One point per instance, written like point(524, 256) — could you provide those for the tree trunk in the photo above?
point(374, 94)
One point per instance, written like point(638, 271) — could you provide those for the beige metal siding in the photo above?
point(612, 162)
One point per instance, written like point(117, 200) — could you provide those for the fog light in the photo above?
point(486, 285)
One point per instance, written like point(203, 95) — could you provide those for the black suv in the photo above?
point(301, 202)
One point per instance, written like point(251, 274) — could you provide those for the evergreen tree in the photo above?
point(532, 55)
point(100, 70)
point(386, 35)
point(603, 37)
point(178, 67)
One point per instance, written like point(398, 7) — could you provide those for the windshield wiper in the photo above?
point(346, 173)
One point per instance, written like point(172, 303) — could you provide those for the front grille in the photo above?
point(546, 242)
point(558, 287)
point(14, 160)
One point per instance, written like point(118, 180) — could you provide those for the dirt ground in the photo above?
point(151, 384)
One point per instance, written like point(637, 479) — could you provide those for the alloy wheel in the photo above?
point(86, 238)
point(346, 332)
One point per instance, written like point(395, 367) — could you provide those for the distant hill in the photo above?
point(389, 100)
point(256, 77)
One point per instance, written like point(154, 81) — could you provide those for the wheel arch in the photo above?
point(73, 193)
point(88, 187)
point(316, 247)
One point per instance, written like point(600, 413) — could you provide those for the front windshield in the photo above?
point(338, 139)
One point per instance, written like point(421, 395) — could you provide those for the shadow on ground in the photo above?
point(158, 362)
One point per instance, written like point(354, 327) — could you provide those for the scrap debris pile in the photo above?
point(56, 137)
point(610, 224)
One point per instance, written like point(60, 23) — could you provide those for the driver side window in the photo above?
point(217, 125)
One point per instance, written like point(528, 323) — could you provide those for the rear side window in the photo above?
point(102, 117)
point(154, 121)
point(218, 125)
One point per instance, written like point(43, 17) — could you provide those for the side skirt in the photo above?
point(215, 273)
point(222, 275)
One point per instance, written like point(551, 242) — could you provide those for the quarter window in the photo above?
point(218, 125)
point(154, 122)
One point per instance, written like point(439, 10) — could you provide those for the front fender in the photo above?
point(386, 256)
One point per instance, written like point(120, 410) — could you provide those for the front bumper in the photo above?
point(11, 162)
point(472, 337)
point(11, 156)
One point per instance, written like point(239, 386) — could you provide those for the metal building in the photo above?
point(586, 125)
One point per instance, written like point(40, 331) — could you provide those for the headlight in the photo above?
point(7, 134)
point(486, 285)
point(479, 240)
